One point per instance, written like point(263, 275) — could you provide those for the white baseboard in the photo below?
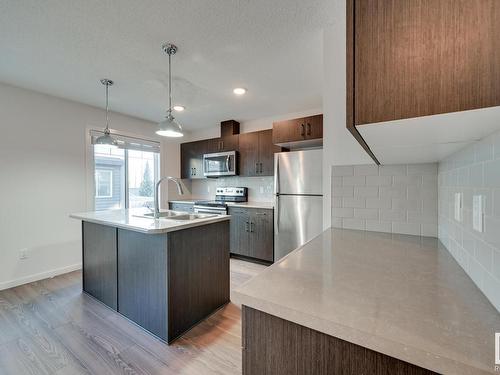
point(39, 276)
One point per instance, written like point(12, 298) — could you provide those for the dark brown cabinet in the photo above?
point(408, 59)
point(298, 130)
point(229, 143)
point(192, 158)
point(252, 233)
point(257, 153)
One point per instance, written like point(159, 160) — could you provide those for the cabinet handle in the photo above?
point(221, 145)
point(260, 167)
point(252, 228)
point(256, 167)
point(303, 132)
point(308, 129)
point(246, 226)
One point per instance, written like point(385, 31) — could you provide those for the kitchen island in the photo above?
point(355, 302)
point(163, 274)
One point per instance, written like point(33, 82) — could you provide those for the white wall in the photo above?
point(339, 146)
point(44, 178)
point(473, 171)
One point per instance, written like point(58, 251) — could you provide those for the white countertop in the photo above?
point(251, 204)
point(127, 219)
point(403, 296)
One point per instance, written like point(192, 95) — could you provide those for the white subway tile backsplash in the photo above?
point(354, 202)
point(392, 170)
point(393, 191)
point(378, 180)
point(393, 215)
point(337, 222)
point(366, 213)
point(358, 224)
point(343, 191)
point(337, 181)
point(368, 191)
point(354, 181)
point(342, 170)
point(343, 212)
point(336, 202)
point(378, 203)
point(429, 230)
point(422, 169)
point(365, 170)
point(472, 171)
point(407, 204)
point(407, 180)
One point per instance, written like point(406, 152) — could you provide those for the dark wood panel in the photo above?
point(100, 262)
point(229, 143)
point(142, 280)
point(249, 154)
point(261, 235)
point(289, 131)
point(350, 64)
point(198, 275)
point(424, 57)
point(314, 127)
point(267, 149)
point(192, 158)
point(239, 231)
point(273, 346)
point(229, 128)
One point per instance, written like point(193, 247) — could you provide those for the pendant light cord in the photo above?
point(169, 84)
point(107, 108)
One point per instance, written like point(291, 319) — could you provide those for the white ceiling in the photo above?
point(430, 138)
point(273, 48)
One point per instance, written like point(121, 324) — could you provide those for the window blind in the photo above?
point(129, 143)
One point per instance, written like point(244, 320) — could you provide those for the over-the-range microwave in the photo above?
point(220, 164)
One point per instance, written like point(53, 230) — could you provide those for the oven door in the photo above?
point(219, 164)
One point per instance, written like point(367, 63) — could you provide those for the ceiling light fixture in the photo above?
point(179, 108)
point(169, 127)
point(240, 91)
point(107, 139)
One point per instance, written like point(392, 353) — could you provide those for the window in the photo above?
point(104, 183)
point(125, 177)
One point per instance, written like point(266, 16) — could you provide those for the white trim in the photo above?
point(39, 276)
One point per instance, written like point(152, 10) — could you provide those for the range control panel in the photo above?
point(235, 194)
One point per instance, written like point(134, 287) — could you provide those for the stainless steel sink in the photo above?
point(192, 217)
point(163, 214)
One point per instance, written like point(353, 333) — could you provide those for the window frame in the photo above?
point(96, 181)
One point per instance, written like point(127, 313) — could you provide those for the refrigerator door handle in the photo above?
point(277, 229)
point(276, 174)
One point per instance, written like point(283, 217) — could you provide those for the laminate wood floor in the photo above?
point(51, 327)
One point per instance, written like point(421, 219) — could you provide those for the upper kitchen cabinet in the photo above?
point(257, 153)
point(306, 131)
point(416, 58)
point(228, 143)
point(192, 158)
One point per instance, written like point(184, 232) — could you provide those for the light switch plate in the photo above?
point(458, 206)
point(478, 213)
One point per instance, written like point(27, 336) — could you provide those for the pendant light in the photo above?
point(107, 139)
point(169, 127)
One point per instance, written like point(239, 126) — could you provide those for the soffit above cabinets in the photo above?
point(429, 138)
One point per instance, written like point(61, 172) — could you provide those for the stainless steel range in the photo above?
point(222, 196)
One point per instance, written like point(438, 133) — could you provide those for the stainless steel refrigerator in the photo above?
point(298, 185)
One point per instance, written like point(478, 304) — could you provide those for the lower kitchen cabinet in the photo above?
point(251, 233)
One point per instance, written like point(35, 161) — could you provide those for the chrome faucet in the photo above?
point(157, 192)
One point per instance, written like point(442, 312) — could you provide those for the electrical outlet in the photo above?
point(478, 213)
point(23, 254)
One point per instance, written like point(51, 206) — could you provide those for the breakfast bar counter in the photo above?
point(391, 304)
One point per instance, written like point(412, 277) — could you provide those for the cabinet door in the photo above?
point(239, 231)
point(314, 127)
point(289, 131)
point(99, 263)
point(192, 158)
point(262, 235)
point(249, 154)
point(266, 153)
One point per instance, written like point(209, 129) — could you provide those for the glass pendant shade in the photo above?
point(106, 140)
point(169, 127)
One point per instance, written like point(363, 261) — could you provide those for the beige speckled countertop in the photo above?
point(130, 219)
point(403, 296)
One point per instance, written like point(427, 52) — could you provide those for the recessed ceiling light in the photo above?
point(239, 91)
point(179, 108)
